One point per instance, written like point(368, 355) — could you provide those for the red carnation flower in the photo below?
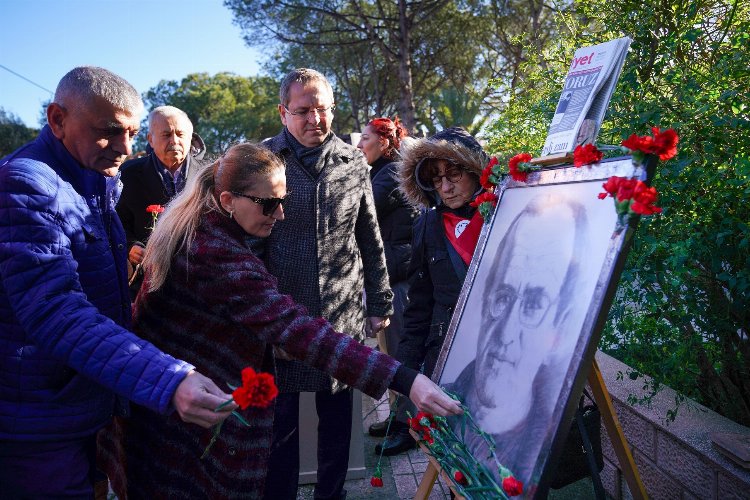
point(376, 482)
point(484, 197)
point(427, 420)
point(484, 179)
point(459, 477)
point(585, 155)
point(639, 143)
point(625, 189)
point(512, 486)
point(154, 209)
point(516, 171)
point(257, 390)
point(610, 187)
point(644, 198)
point(662, 144)
point(665, 143)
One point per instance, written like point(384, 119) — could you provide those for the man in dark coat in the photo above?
point(324, 253)
point(156, 178)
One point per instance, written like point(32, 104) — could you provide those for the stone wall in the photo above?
point(676, 460)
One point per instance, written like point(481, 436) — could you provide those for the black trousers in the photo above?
point(334, 435)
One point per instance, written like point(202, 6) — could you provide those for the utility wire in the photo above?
point(24, 78)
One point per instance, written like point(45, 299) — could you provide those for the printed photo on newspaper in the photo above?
point(588, 87)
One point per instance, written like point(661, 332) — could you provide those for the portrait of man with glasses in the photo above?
point(528, 327)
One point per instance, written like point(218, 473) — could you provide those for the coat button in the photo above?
point(120, 246)
point(232, 451)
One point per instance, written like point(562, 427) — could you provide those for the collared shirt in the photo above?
point(173, 183)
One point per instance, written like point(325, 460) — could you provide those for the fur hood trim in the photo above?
point(454, 144)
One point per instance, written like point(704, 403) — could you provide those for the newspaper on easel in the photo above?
point(588, 88)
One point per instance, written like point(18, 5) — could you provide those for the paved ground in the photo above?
point(402, 473)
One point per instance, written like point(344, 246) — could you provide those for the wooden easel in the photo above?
point(611, 423)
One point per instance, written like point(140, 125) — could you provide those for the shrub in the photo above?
point(681, 311)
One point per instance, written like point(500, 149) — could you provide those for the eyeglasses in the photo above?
point(269, 204)
point(304, 113)
point(533, 307)
point(426, 168)
point(451, 175)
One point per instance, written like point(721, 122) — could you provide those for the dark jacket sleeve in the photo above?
point(367, 232)
point(127, 218)
point(385, 191)
point(418, 314)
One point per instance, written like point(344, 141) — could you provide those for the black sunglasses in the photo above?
point(269, 204)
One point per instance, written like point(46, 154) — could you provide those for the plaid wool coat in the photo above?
point(221, 309)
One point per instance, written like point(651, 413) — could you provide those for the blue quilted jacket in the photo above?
point(65, 351)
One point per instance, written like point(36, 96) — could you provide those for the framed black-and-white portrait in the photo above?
point(528, 320)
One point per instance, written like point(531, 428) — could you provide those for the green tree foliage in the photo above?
point(224, 108)
point(380, 34)
point(682, 310)
point(451, 107)
point(387, 57)
point(13, 133)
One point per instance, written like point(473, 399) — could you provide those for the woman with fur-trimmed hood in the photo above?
point(439, 174)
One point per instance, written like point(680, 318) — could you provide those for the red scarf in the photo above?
point(465, 242)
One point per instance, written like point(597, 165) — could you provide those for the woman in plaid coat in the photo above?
point(208, 298)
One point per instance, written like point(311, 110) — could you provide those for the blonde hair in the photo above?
point(238, 170)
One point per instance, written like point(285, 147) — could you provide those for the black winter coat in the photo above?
point(436, 276)
point(436, 271)
point(142, 186)
point(395, 218)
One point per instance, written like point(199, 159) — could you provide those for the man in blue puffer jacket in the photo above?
point(65, 351)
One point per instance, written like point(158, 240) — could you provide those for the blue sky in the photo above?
point(144, 41)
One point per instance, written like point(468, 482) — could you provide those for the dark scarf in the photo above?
point(310, 158)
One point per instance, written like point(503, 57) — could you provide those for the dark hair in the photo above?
point(393, 130)
point(303, 76)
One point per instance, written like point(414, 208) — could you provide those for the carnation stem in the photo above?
point(217, 430)
point(223, 405)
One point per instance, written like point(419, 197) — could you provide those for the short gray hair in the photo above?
point(84, 83)
point(168, 112)
point(302, 76)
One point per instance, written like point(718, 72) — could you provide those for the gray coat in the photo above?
point(328, 249)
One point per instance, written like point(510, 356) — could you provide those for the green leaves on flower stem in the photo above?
point(485, 209)
point(452, 454)
point(241, 419)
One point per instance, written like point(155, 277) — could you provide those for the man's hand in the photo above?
point(136, 253)
point(376, 324)
point(430, 398)
point(196, 398)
